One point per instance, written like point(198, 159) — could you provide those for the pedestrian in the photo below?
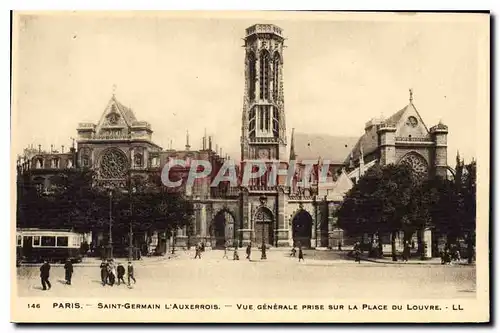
point(406, 252)
point(357, 252)
point(235, 254)
point(249, 250)
point(44, 275)
point(120, 271)
point(104, 272)
point(130, 272)
point(225, 252)
point(340, 246)
point(111, 273)
point(198, 251)
point(68, 271)
point(293, 253)
point(301, 254)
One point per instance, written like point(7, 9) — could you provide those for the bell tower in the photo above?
point(263, 119)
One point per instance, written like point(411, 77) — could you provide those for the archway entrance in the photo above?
point(264, 231)
point(302, 229)
point(223, 229)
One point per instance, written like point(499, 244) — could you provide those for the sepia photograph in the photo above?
point(250, 167)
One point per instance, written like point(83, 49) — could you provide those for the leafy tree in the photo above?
point(379, 202)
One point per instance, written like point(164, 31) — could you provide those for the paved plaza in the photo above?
point(324, 274)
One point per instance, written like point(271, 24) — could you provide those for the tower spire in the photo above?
point(292, 145)
point(187, 140)
point(205, 140)
point(361, 161)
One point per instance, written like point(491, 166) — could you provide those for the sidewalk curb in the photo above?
point(434, 261)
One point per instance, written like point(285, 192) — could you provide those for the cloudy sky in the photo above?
point(184, 73)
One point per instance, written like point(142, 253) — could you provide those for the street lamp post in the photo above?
point(110, 225)
point(130, 234)
point(263, 255)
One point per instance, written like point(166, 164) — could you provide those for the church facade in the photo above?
point(120, 148)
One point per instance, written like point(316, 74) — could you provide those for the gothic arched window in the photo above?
point(251, 125)
point(264, 75)
point(275, 122)
point(417, 163)
point(252, 75)
point(138, 160)
point(276, 75)
point(113, 164)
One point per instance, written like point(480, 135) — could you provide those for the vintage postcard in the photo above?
point(184, 167)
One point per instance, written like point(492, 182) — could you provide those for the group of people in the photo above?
point(112, 273)
point(450, 254)
point(45, 274)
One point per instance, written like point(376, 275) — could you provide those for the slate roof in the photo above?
point(328, 147)
point(369, 140)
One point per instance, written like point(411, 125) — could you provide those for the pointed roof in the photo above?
point(126, 112)
point(369, 140)
point(342, 185)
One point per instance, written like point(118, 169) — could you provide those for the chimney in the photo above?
point(62, 149)
point(51, 148)
point(210, 143)
point(39, 148)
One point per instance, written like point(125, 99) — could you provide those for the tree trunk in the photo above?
point(393, 246)
point(470, 247)
point(380, 250)
point(420, 241)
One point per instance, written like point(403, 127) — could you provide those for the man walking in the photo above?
point(301, 254)
point(130, 272)
point(44, 275)
point(104, 272)
point(197, 251)
point(249, 250)
point(225, 252)
point(68, 271)
point(236, 256)
point(111, 272)
point(120, 270)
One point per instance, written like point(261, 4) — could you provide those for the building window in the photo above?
point(275, 123)
point(19, 240)
point(62, 241)
point(251, 76)
point(251, 126)
point(138, 160)
point(48, 241)
point(264, 75)
point(276, 78)
point(85, 161)
point(36, 241)
point(113, 164)
point(39, 163)
point(55, 163)
point(261, 118)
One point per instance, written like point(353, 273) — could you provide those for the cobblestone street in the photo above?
point(323, 274)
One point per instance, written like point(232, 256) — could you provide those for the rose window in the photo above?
point(417, 163)
point(113, 164)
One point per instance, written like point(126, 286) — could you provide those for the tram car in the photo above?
point(36, 245)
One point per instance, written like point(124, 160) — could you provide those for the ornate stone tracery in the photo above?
point(417, 163)
point(114, 164)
